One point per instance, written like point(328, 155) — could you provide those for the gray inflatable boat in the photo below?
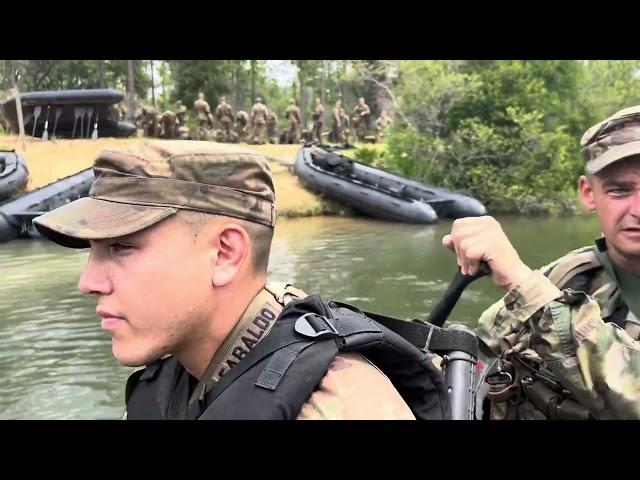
point(380, 193)
point(13, 173)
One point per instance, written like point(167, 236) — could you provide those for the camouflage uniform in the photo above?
point(352, 389)
point(292, 113)
point(272, 127)
point(242, 124)
point(203, 116)
point(169, 124)
point(346, 126)
point(337, 131)
point(573, 337)
point(120, 111)
point(4, 123)
point(224, 115)
point(181, 112)
point(382, 123)
point(572, 332)
point(361, 114)
point(139, 187)
point(258, 122)
point(318, 120)
point(151, 122)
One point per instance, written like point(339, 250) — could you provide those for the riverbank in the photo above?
point(55, 159)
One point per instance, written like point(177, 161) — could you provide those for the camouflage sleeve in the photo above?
point(597, 361)
point(354, 389)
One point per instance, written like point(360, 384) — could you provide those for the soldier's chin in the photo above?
point(130, 357)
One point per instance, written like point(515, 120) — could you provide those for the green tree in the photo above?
point(504, 131)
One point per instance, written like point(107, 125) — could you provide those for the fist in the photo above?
point(476, 239)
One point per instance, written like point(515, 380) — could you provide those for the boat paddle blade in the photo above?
point(55, 123)
point(89, 115)
point(36, 114)
point(45, 134)
point(94, 134)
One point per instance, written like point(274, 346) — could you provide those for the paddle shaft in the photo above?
point(443, 309)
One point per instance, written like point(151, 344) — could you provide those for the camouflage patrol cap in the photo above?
point(612, 139)
point(136, 188)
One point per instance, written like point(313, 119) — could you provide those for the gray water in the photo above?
point(56, 363)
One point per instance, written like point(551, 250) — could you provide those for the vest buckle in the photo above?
point(315, 326)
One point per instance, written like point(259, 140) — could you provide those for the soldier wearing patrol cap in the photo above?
point(203, 116)
point(179, 235)
point(568, 333)
point(259, 114)
point(317, 116)
point(224, 115)
point(292, 114)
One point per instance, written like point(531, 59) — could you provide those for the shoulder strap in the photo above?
point(309, 325)
point(562, 271)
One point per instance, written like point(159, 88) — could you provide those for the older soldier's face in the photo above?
point(153, 290)
point(614, 193)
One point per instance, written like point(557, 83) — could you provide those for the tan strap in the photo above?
point(254, 324)
point(571, 265)
point(284, 292)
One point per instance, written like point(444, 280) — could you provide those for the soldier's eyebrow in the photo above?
point(613, 183)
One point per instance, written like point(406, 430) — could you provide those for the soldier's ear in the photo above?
point(585, 190)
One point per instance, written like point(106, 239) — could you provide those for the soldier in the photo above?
point(4, 123)
point(169, 124)
point(382, 123)
point(179, 236)
point(272, 126)
point(567, 334)
point(120, 111)
point(258, 122)
point(337, 131)
point(317, 116)
point(292, 114)
point(346, 126)
point(203, 116)
point(224, 116)
point(242, 125)
point(151, 121)
point(361, 114)
point(181, 112)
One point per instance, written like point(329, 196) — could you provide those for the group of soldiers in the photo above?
point(260, 125)
point(167, 124)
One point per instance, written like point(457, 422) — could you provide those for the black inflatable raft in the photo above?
point(13, 173)
point(69, 113)
point(16, 215)
point(379, 193)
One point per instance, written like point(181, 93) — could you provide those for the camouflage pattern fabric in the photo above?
point(566, 331)
point(352, 389)
point(137, 187)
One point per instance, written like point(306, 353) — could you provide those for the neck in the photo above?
point(196, 356)
point(630, 264)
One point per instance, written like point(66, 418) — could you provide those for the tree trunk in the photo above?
point(322, 82)
point(343, 90)
point(18, 103)
point(131, 91)
point(153, 86)
point(164, 82)
point(253, 82)
point(303, 102)
point(238, 87)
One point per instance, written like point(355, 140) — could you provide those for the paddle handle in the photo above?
point(443, 309)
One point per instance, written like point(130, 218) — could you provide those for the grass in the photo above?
point(55, 159)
